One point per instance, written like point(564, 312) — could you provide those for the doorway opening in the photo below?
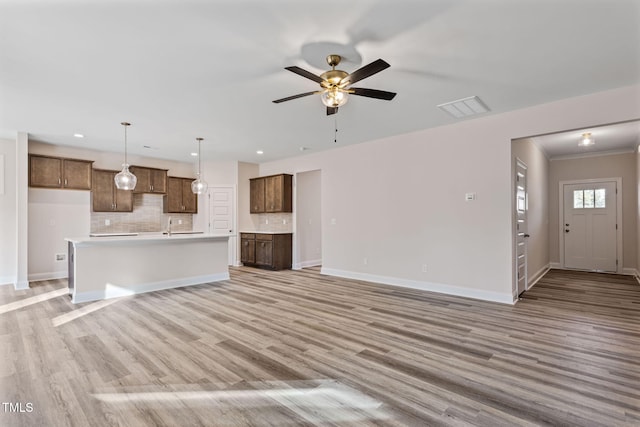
point(308, 236)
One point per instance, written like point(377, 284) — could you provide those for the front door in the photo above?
point(589, 227)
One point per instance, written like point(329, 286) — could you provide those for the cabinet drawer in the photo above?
point(247, 236)
point(264, 237)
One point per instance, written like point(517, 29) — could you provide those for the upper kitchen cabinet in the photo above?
point(105, 197)
point(57, 172)
point(150, 180)
point(179, 197)
point(271, 194)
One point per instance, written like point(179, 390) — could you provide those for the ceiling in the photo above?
point(181, 69)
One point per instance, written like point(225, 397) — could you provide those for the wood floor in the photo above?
point(298, 348)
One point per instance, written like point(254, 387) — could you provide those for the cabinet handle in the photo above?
point(65, 182)
point(152, 187)
point(59, 181)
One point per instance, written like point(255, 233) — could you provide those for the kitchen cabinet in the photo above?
point(179, 197)
point(58, 172)
point(270, 194)
point(266, 250)
point(105, 197)
point(150, 180)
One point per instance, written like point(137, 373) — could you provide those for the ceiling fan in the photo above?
point(336, 84)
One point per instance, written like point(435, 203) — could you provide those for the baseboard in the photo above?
point(116, 291)
point(538, 275)
point(21, 284)
point(306, 264)
point(505, 298)
point(37, 277)
point(555, 265)
point(7, 280)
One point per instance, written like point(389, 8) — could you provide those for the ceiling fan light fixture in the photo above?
point(334, 97)
point(587, 140)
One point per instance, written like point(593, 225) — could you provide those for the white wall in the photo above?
point(538, 206)
point(54, 215)
point(308, 207)
point(8, 212)
point(399, 201)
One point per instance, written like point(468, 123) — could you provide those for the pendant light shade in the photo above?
point(199, 186)
point(125, 180)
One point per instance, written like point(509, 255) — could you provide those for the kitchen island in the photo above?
point(109, 266)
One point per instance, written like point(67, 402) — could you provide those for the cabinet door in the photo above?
point(102, 191)
point(45, 172)
point(189, 199)
point(158, 179)
point(77, 174)
point(273, 193)
point(256, 191)
point(174, 195)
point(122, 199)
point(143, 175)
point(248, 251)
point(264, 253)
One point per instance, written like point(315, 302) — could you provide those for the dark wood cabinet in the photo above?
point(150, 180)
point(179, 197)
point(272, 250)
point(105, 197)
point(271, 194)
point(57, 172)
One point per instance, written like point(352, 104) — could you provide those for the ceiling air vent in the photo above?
point(464, 107)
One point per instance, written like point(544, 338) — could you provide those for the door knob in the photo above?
point(566, 231)
point(527, 235)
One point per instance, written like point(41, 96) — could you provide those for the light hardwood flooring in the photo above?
point(299, 348)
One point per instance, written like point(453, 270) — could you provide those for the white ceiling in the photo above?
point(180, 69)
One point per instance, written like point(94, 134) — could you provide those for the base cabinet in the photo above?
point(271, 251)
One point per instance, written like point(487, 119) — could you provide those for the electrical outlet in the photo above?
point(61, 257)
point(179, 222)
point(424, 268)
point(107, 222)
point(266, 221)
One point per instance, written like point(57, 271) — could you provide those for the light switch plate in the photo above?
point(469, 197)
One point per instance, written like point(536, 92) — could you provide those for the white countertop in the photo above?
point(267, 232)
point(142, 237)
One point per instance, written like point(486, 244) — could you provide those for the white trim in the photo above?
point(8, 280)
point(115, 292)
point(619, 234)
point(556, 266)
point(538, 275)
point(630, 272)
point(21, 285)
point(306, 264)
point(503, 298)
point(593, 154)
point(37, 277)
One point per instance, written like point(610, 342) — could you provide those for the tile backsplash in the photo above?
point(147, 216)
point(280, 222)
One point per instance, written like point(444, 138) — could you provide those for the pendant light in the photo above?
point(125, 180)
point(199, 186)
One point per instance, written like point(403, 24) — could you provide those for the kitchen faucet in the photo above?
point(169, 227)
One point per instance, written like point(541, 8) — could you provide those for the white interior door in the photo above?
point(222, 216)
point(521, 226)
point(590, 229)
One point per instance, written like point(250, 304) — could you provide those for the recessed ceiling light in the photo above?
point(464, 107)
point(304, 148)
point(194, 154)
point(259, 152)
point(78, 135)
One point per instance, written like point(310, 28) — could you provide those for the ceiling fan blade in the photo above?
point(305, 73)
point(372, 93)
point(331, 110)
point(289, 98)
point(364, 72)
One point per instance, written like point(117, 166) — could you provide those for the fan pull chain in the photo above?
point(335, 132)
